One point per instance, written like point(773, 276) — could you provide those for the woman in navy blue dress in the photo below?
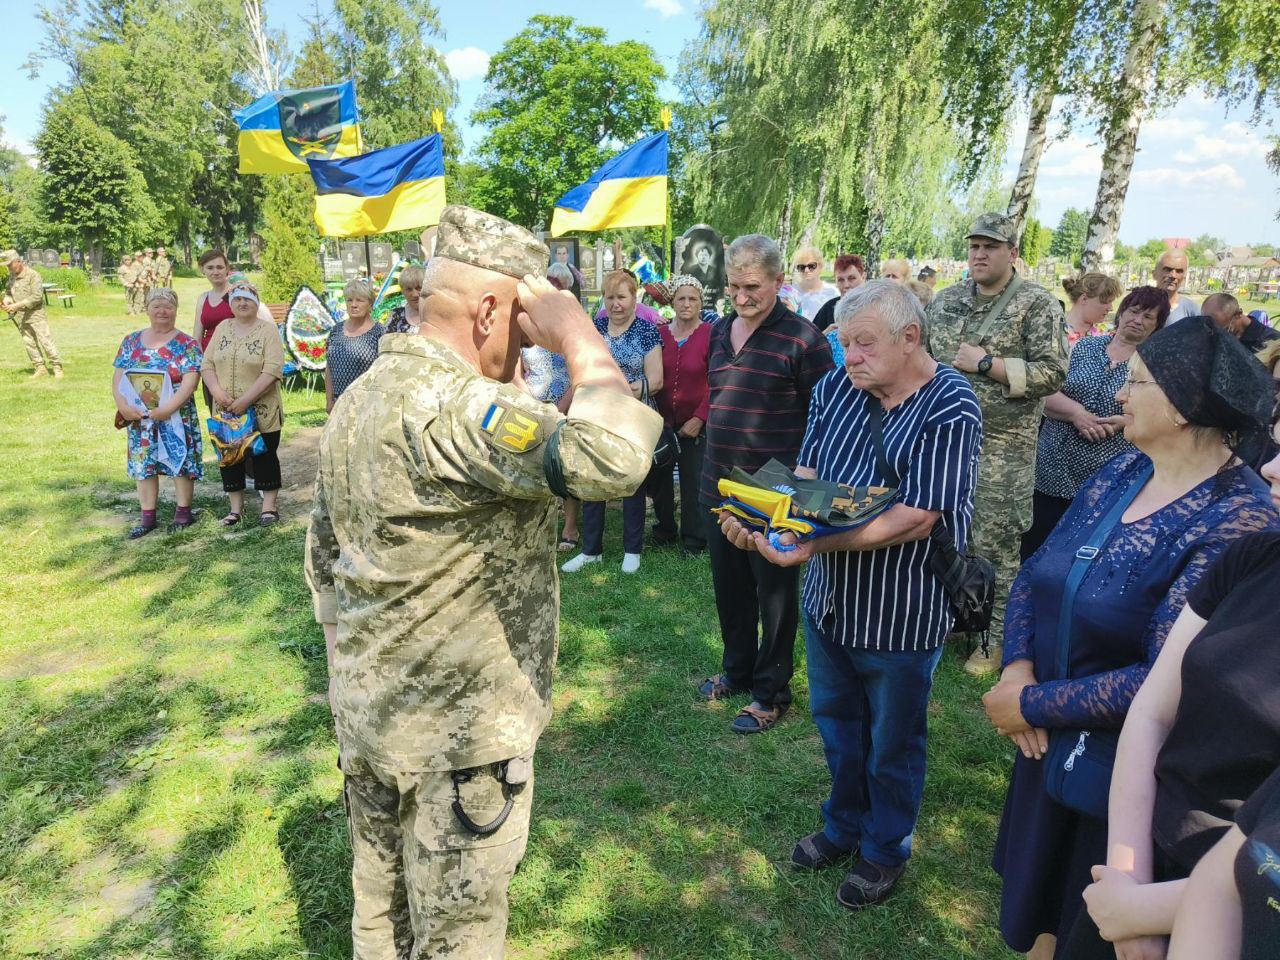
point(1190, 389)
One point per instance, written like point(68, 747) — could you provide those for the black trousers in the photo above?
point(693, 515)
point(759, 611)
point(633, 511)
point(266, 468)
point(1046, 511)
point(1085, 942)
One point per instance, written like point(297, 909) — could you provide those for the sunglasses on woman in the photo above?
point(806, 267)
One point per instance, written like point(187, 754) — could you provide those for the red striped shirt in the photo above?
point(760, 396)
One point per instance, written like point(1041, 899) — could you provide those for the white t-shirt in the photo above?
point(811, 303)
point(1186, 308)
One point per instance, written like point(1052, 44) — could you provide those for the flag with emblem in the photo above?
point(630, 190)
point(282, 130)
point(396, 188)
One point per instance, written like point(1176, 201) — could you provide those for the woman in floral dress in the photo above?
point(158, 446)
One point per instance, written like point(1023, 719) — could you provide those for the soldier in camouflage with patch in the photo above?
point(162, 269)
point(1008, 335)
point(147, 275)
point(432, 549)
point(131, 277)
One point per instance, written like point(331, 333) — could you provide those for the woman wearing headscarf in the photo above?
point(1148, 526)
point(686, 354)
point(243, 368)
point(163, 426)
point(1082, 429)
point(1176, 791)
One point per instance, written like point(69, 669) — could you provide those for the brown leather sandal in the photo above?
point(718, 688)
point(754, 718)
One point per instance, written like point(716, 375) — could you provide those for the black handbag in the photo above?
point(1078, 766)
point(969, 580)
point(668, 446)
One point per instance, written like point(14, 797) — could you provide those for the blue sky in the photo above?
point(1200, 169)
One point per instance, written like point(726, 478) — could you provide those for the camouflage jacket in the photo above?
point(162, 272)
point(1029, 336)
point(432, 545)
point(27, 294)
point(130, 274)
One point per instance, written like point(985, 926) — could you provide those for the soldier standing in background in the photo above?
point(24, 302)
point(123, 268)
point(162, 271)
point(148, 274)
point(133, 284)
point(431, 557)
point(1008, 335)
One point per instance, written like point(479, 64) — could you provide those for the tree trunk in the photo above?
point(806, 236)
point(784, 221)
point(1121, 139)
point(875, 237)
point(1032, 151)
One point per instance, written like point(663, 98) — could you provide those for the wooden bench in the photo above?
point(68, 299)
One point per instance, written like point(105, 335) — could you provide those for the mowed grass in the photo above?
point(167, 777)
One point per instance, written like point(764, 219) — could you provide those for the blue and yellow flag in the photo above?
point(628, 191)
point(282, 130)
point(396, 188)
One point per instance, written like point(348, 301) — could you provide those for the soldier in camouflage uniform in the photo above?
point(24, 302)
point(122, 271)
point(132, 279)
point(148, 274)
point(162, 270)
point(432, 547)
point(1020, 360)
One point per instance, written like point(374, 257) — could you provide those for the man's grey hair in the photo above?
point(560, 273)
point(897, 306)
point(358, 289)
point(754, 250)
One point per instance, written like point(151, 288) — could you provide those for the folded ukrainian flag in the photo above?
point(396, 188)
point(628, 191)
point(281, 130)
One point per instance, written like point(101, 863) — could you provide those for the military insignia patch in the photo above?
point(511, 430)
point(311, 122)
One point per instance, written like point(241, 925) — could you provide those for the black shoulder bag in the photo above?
point(969, 580)
point(1077, 768)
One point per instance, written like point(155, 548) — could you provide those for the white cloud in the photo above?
point(1239, 141)
point(1072, 156)
point(665, 8)
point(1222, 175)
point(467, 63)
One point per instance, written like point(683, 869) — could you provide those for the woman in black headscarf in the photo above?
point(1192, 394)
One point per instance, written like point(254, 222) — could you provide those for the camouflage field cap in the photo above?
point(994, 226)
point(472, 236)
point(8, 257)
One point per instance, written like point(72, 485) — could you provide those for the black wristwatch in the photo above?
point(984, 365)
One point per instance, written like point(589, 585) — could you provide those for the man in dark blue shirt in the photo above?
point(875, 615)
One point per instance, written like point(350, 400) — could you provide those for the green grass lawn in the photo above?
point(167, 778)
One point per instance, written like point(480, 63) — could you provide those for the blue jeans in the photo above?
point(871, 708)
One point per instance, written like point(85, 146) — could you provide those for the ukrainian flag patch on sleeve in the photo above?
point(509, 429)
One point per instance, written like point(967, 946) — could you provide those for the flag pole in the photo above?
point(668, 250)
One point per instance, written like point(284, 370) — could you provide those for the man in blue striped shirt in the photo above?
point(875, 616)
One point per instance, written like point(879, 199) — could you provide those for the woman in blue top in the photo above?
point(637, 350)
point(1190, 389)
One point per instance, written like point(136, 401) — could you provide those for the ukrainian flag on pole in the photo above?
point(396, 188)
point(628, 191)
point(283, 129)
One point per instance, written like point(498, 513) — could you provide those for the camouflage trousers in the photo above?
point(1001, 514)
point(135, 297)
point(425, 886)
point(41, 350)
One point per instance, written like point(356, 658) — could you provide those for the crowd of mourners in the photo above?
point(1117, 459)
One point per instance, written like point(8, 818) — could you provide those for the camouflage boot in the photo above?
point(982, 663)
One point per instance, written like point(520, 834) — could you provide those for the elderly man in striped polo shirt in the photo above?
point(875, 616)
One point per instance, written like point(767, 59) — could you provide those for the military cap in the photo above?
point(472, 236)
point(8, 257)
point(994, 226)
point(149, 250)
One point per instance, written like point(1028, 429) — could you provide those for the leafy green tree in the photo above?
point(1068, 238)
point(290, 255)
point(1035, 241)
point(1152, 249)
point(558, 100)
point(92, 188)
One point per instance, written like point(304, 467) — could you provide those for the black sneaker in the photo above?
point(867, 884)
point(816, 852)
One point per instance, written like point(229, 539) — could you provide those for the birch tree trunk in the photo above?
point(264, 71)
point(806, 236)
point(1032, 151)
point(1121, 139)
point(784, 221)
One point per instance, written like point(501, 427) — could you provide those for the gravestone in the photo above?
point(699, 252)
